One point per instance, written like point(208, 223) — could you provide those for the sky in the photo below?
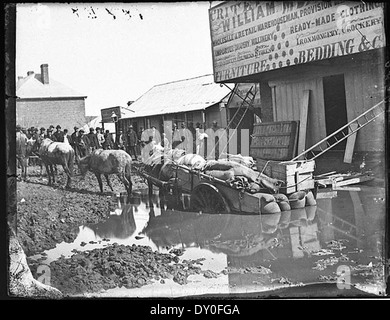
point(114, 60)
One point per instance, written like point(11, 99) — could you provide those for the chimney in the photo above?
point(29, 73)
point(45, 73)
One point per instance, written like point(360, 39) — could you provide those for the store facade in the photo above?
point(335, 50)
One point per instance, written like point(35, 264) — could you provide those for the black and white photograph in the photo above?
point(214, 149)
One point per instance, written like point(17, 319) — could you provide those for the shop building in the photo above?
point(333, 50)
point(195, 101)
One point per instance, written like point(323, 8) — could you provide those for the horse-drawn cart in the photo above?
point(213, 195)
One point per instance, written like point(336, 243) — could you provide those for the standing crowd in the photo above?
point(190, 139)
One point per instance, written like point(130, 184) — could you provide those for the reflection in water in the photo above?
point(285, 243)
point(120, 226)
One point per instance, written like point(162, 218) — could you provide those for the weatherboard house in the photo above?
point(42, 101)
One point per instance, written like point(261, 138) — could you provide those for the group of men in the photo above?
point(84, 143)
point(129, 142)
point(81, 142)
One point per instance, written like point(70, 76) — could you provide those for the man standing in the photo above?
point(100, 137)
point(121, 140)
point(131, 140)
point(58, 135)
point(176, 137)
point(42, 133)
point(80, 145)
point(66, 137)
point(35, 134)
point(49, 134)
point(73, 137)
point(108, 142)
point(21, 150)
point(29, 133)
point(140, 143)
point(186, 138)
point(93, 142)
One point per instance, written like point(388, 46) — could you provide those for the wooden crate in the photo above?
point(274, 140)
point(297, 175)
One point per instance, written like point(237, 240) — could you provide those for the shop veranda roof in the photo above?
point(179, 96)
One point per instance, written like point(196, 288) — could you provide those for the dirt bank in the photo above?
point(119, 266)
point(47, 215)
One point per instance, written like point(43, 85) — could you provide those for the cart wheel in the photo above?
point(206, 198)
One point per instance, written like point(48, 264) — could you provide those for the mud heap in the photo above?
point(119, 266)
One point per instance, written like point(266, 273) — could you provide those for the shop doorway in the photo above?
point(335, 106)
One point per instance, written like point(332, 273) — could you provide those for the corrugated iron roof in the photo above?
point(32, 87)
point(178, 96)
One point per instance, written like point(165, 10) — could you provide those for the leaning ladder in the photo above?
point(344, 132)
point(235, 121)
point(241, 111)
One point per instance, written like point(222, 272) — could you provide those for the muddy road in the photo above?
point(111, 245)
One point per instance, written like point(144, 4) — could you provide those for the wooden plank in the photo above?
point(350, 144)
point(327, 195)
point(347, 188)
point(303, 121)
point(325, 174)
point(353, 181)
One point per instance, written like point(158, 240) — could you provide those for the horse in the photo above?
point(108, 162)
point(52, 153)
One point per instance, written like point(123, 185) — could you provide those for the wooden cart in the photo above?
point(213, 195)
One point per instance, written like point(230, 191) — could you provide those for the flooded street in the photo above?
point(342, 238)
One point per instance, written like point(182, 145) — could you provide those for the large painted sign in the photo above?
point(253, 37)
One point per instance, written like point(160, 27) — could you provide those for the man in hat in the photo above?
point(29, 133)
point(108, 141)
point(41, 133)
point(80, 145)
point(66, 136)
point(93, 142)
point(58, 135)
point(35, 134)
point(73, 137)
point(131, 141)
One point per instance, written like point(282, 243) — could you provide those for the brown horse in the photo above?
point(108, 162)
point(53, 153)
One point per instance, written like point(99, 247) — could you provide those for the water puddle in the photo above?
point(341, 240)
